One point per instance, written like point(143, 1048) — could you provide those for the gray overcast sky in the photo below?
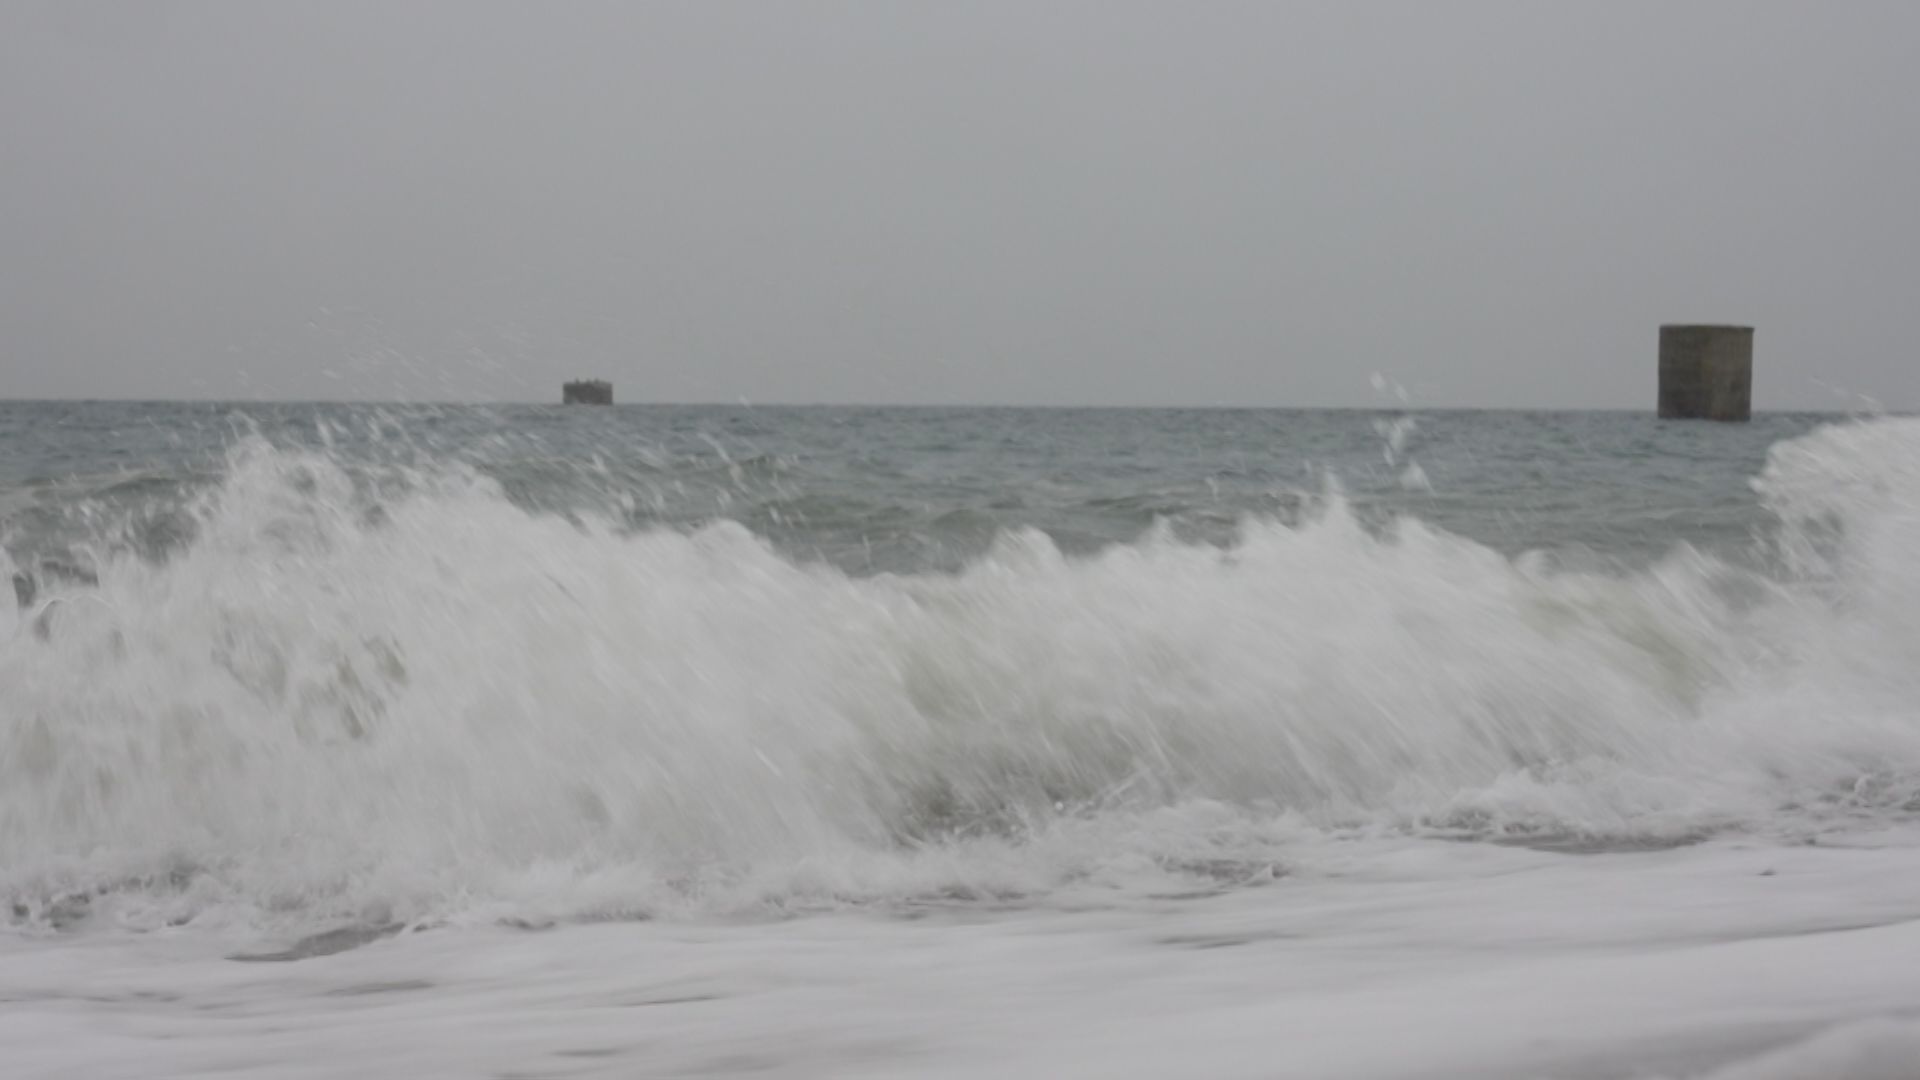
point(1025, 202)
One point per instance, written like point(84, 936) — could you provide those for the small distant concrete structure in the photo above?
point(587, 392)
point(1706, 372)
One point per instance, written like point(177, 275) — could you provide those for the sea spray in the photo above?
point(403, 693)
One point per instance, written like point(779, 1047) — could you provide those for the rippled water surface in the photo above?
point(1127, 714)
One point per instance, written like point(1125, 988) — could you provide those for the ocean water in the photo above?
point(649, 741)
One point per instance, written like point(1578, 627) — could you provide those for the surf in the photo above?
point(402, 696)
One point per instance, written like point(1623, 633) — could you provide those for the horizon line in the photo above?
point(745, 404)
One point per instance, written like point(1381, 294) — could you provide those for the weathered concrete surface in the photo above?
point(1706, 372)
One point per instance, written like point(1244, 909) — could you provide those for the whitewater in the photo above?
point(354, 753)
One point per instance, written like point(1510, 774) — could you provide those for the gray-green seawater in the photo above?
point(289, 667)
point(906, 490)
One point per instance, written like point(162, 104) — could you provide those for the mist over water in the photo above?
point(413, 667)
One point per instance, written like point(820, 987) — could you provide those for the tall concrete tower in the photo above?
point(1706, 372)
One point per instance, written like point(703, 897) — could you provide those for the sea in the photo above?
point(649, 741)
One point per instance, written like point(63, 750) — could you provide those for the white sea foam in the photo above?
point(430, 703)
point(1878, 1049)
point(1207, 796)
point(1389, 959)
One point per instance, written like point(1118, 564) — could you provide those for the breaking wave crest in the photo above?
point(415, 700)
